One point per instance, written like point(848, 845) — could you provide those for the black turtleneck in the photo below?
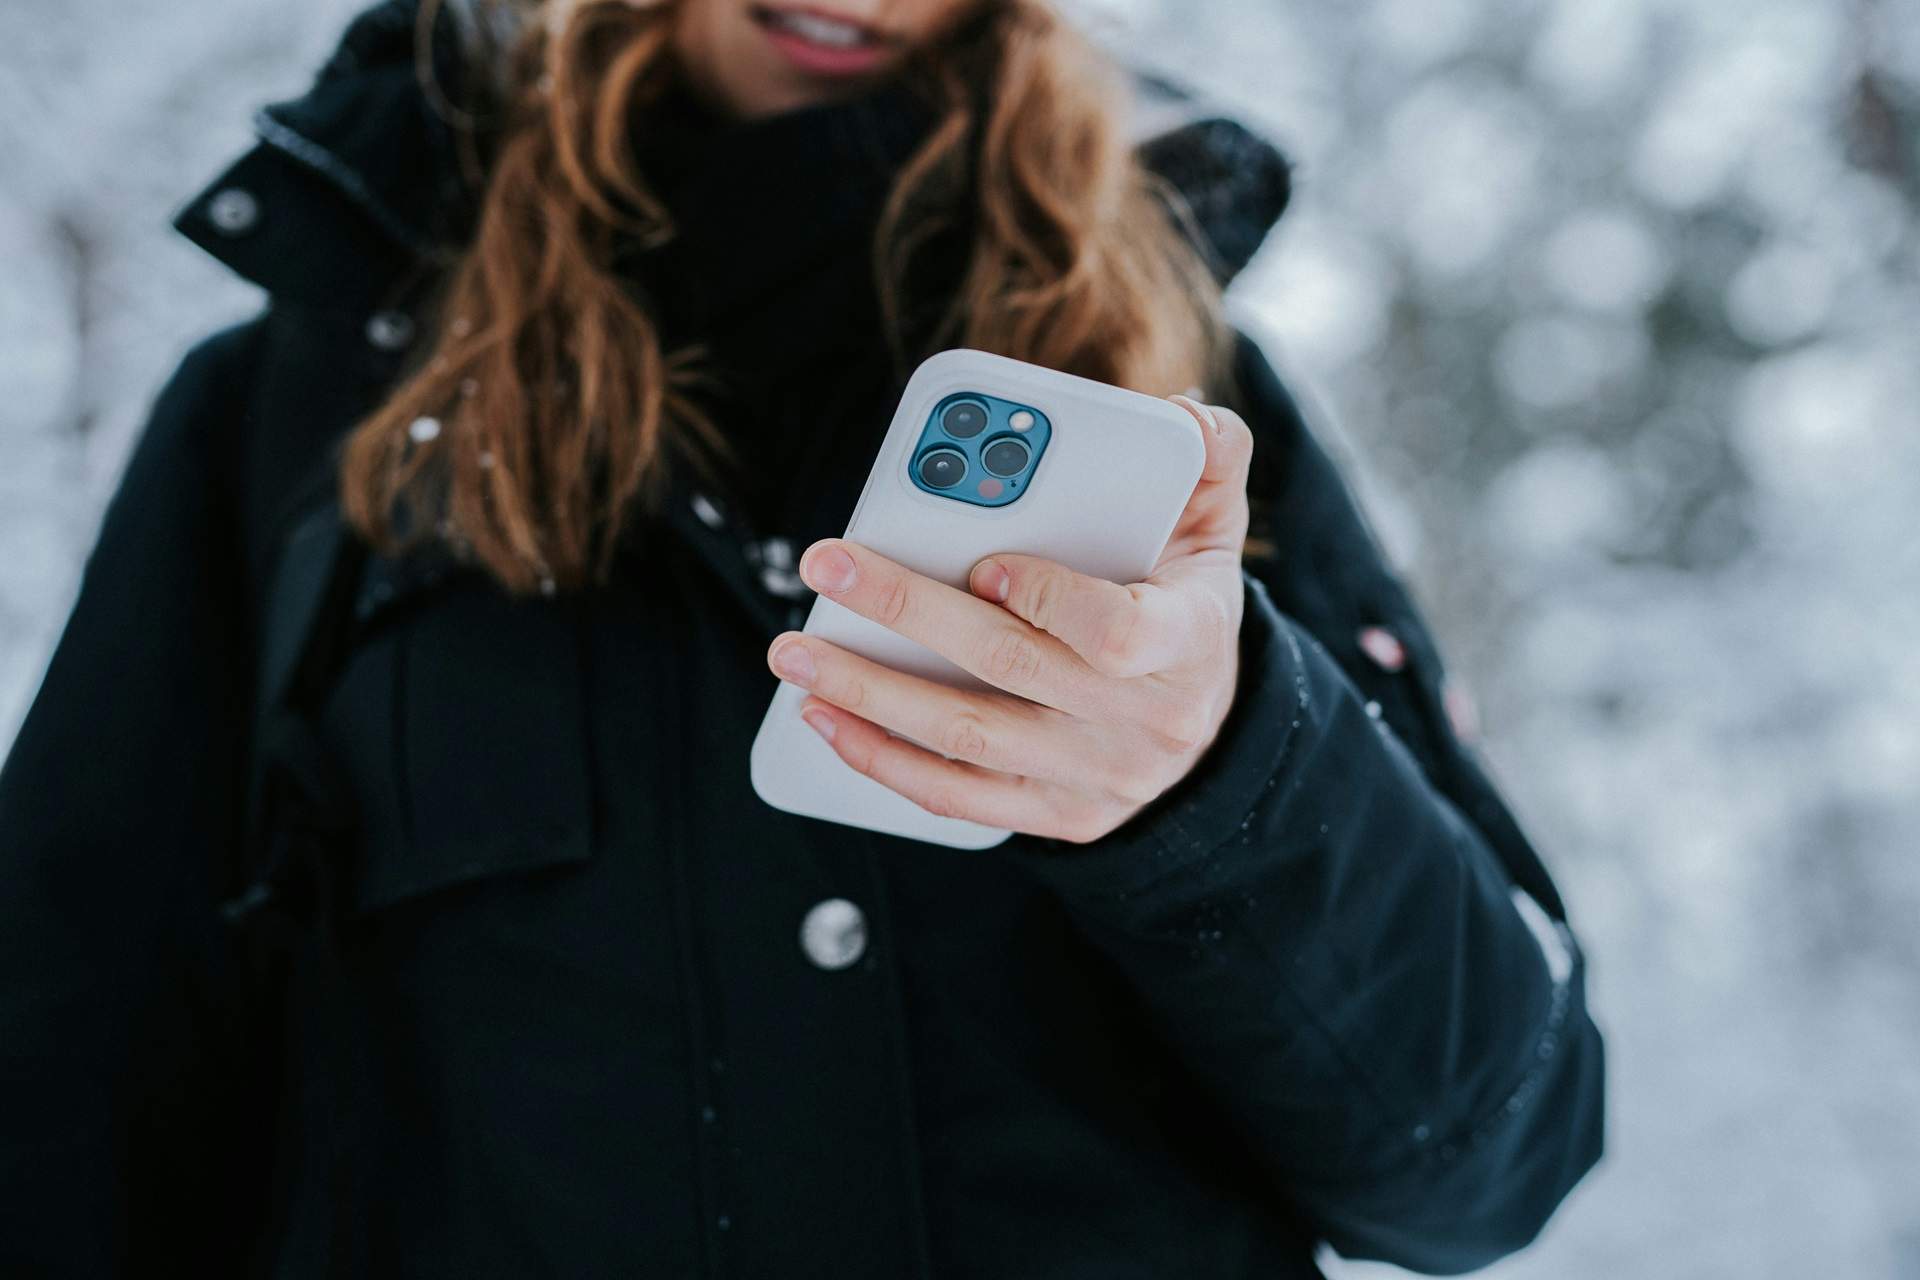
point(769, 274)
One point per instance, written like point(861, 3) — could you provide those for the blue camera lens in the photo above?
point(1006, 457)
point(942, 468)
point(964, 419)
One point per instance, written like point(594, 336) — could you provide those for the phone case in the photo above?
point(1103, 498)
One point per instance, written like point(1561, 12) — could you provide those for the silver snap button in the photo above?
point(390, 330)
point(784, 583)
point(834, 934)
point(777, 552)
point(233, 212)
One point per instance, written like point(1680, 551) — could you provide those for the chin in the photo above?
point(774, 94)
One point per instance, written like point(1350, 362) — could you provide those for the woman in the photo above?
point(385, 893)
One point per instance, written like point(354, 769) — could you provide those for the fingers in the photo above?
point(954, 789)
point(1178, 616)
point(1216, 514)
point(1121, 632)
point(974, 635)
point(1007, 735)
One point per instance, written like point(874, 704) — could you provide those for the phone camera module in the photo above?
point(1006, 457)
point(963, 419)
point(943, 468)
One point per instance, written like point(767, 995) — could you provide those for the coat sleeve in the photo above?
point(1337, 921)
point(119, 805)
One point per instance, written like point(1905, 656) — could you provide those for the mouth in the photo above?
point(824, 44)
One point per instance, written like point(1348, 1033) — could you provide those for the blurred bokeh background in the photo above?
point(1613, 310)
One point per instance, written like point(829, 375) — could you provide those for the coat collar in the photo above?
point(353, 194)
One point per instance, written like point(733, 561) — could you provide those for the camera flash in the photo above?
point(1020, 420)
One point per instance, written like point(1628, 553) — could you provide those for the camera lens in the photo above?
point(1005, 457)
point(942, 468)
point(964, 419)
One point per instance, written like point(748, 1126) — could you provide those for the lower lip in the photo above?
point(825, 60)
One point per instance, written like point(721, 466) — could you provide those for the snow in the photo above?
point(1611, 310)
point(110, 117)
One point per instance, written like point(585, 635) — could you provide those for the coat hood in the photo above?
point(354, 192)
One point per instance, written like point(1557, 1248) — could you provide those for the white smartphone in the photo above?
point(985, 454)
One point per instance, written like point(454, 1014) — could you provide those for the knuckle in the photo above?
point(861, 758)
point(1042, 598)
point(890, 600)
point(1184, 727)
point(941, 802)
point(1121, 644)
point(1085, 824)
point(963, 737)
point(848, 692)
point(1134, 784)
point(1010, 657)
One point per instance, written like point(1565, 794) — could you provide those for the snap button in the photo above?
point(390, 330)
point(233, 212)
point(777, 553)
point(704, 510)
point(1383, 647)
point(834, 934)
point(784, 583)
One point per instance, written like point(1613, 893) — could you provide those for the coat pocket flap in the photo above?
point(490, 748)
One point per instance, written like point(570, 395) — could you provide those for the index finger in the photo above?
point(1119, 631)
point(980, 638)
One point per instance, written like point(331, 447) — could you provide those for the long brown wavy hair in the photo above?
point(545, 409)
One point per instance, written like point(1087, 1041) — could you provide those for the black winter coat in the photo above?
point(358, 918)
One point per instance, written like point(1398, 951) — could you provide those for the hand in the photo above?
point(1111, 693)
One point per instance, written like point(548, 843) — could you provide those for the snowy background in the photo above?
point(1614, 309)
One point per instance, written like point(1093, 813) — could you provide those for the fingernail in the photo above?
point(993, 581)
point(827, 569)
point(791, 661)
point(819, 721)
point(1206, 414)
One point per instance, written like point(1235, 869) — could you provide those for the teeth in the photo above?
point(808, 26)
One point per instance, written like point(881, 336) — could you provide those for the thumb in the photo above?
point(1216, 514)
